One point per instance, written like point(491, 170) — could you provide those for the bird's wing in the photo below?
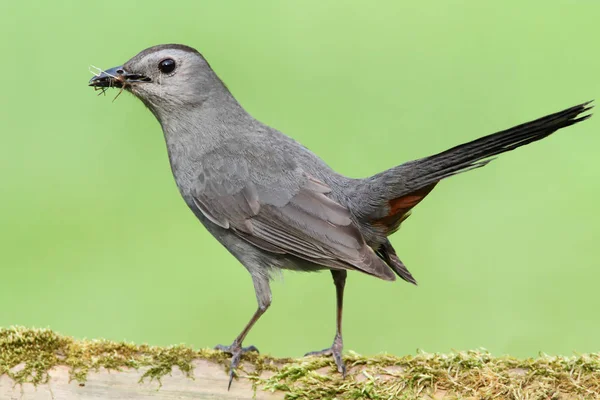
point(270, 202)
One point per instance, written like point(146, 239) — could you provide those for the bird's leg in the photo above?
point(339, 279)
point(263, 295)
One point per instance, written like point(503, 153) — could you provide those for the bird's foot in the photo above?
point(336, 351)
point(236, 351)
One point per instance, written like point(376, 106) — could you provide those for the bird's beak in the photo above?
point(116, 77)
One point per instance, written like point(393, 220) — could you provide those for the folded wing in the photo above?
point(284, 212)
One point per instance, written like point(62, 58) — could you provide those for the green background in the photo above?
point(96, 242)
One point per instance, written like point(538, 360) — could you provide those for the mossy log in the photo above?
point(40, 364)
point(209, 382)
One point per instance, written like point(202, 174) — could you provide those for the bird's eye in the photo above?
point(166, 66)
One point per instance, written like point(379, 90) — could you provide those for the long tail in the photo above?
point(391, 194)
point(421, 173)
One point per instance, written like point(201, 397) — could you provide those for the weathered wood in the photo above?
point(210, 382)
point(101, 369)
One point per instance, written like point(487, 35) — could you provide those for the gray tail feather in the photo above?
point(419, 173)
point(388, 254)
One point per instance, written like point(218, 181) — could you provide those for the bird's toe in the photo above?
point(335, 352)
point(236, 351)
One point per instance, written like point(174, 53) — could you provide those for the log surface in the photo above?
point(65, 368)
point(209, 382)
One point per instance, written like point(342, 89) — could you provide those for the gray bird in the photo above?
point(272, 202)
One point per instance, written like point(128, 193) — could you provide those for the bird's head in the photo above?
point(164, 77)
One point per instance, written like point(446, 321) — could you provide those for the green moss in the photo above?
point(26, 355)
point(473, 374)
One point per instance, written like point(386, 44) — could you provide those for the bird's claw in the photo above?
point(236, 351)
point(336, 352)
